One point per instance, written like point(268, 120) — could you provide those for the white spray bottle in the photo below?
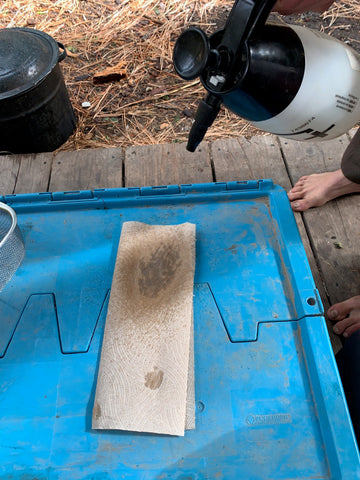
point(287, 80)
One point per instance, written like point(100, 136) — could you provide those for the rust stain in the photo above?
point(233, 249)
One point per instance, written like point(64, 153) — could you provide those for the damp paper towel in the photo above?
point(146, 374)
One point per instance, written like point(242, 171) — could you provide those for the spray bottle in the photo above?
point(287, 80)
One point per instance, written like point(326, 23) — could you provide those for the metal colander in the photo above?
point(12, 248)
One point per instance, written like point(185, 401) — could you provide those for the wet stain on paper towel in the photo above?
point(158, 271)
point(96, 411)
point(154, 379)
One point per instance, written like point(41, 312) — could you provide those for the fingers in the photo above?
point(346, 315)
point(346, 327)
point(341, 310)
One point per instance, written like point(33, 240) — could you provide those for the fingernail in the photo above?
point(296, 205)
point(333, 314)
point(345, 334)
point(336, 330)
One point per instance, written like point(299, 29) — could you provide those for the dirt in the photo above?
point(343, 28)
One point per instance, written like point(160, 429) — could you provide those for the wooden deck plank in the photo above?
point(303, 158)
point(9, 167)
point(242, 159)
point(332, 231)
point(34, 173)
point(87, 169)
point(168, 164)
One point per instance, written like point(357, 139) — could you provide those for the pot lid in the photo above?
point(27, 56)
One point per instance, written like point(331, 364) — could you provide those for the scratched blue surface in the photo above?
point(269, 402)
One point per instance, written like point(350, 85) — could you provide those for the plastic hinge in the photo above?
point(106, 193)
point(160, 190)
point(203, 187)
point(266, 183)
point(250, 185)
point(27, 198)
point(72, 195)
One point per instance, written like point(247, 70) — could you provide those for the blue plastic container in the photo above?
point(269, 401)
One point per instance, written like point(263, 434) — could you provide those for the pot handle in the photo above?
point(62, 55)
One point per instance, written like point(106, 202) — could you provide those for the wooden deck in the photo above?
point(331, 234)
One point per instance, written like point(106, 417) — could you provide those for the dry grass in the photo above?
point(151, 105)
point(350, 10)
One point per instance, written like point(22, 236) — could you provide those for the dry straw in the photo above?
point(151, 104)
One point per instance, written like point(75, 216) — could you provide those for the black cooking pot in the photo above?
point(35, 111)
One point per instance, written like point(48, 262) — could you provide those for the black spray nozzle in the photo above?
point(191, 53)
point(206, 113)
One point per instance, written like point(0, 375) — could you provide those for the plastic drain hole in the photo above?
point(311, 301)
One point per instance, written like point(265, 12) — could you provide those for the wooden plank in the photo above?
point(34, 173)
point(261, 157)
point(242, 159)
point(303, 158)
point(334, 235)
point(168, 164)
point(336, 240)
point(9, 167)
point(87, 169)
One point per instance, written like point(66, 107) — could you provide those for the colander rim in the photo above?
point(12, 213)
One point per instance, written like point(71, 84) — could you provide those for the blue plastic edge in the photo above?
point(307, 301)
point(344, 462)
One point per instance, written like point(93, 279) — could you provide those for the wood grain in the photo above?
point(34, 173)
point(9, 167)
point(87, 169)
point(243, 159)
point(168, 164)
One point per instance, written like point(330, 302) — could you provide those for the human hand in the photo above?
point(287, 7)
point(346, 315)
